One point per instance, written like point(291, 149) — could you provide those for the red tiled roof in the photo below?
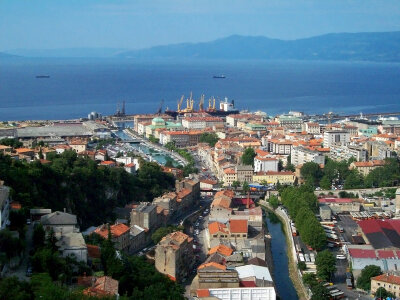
point(336, 200)
point(203, 293)
point(238, 226)
point(386, 254)
point(116, 230)
point(362, 253)
point(371, 226)
point(393, 279)
point(221, 249)
point(247, 283)
point(212, 264)
point(217, 227)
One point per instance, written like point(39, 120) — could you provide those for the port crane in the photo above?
point(159, 111)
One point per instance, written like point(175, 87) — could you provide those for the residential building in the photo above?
point(274, 177)
point(144, 215)
point(276, 146)
point(389, 282)
point(174, 255)
point(102, 286)
point(288, 121)
point(332, 137)
point(244, 173)
point(215, 275)
point(73, 244)
point(119, 235)
point(364, 167)
point(202, 122)
point(59, 222)
point(265, 164)
point(301, 155)
point(312, 128)
point(243, 293)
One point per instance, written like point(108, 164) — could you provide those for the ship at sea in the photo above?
point(219, 76)
point(42, 76)
point(225, 107)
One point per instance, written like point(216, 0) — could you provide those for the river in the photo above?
point(283, 283)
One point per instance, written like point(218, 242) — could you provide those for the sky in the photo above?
point(135, 24)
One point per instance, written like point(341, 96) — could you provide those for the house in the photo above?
point(238, 228)
point(174, 255)
point(215, 275)
point(144, 215)
point(389, 282)
point(108, 163)
point(59, 222)
point(73, 244)
point(78, 145)
point(258, 274)
point(249, 292)
point(119, 235)
point(364, 167)
point(272, 177)
point(102, 287)
point(265, 164)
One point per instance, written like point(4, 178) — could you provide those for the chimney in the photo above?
point(65, 209)
point(248, 200)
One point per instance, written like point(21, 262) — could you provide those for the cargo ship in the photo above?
point(225, 107)
point(222, 76)
point(42, 76)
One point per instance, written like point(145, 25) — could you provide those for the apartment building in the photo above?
point(301, 155)
point(332, 137)
point(202, 122)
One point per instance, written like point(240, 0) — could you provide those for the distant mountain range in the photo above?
point(68, 52)
point(374, 46)
point(371, 46)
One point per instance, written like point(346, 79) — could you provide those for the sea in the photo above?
point(79, 86)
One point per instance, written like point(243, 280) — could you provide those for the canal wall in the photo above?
point(294, 272)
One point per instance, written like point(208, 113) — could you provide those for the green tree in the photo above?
point(245, 187)
point(12, 288)
point(326, 264)
point(38, 237)
point(311, 170)
point(364, 281)
point(310, 279)
point(235, 184)
point(325, 183)
point(163, 231)
point(301, 265)
point(383, 294)
point(319, 292)
point(248, 157)
point(274, 201)
point(353, 181)
point(210, 138)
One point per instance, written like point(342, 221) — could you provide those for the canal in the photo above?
point(283, 283)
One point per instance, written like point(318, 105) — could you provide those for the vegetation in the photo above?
point(153, 139)
point(364, 281)
point(235, 184)
point(104, 142)
point(302, 204)
point(383, 294)
point(210, 138)
point(326, 264)
point(248, 157)
point(163, 231)
point(10, 245)
point(245, 187)
point(316, 287)
point(274, 201)
point(189, 168)
point(81, 186)
point(338, 172)
point(11, 142)
point(301, 265)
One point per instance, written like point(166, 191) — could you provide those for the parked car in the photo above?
point(340, 256)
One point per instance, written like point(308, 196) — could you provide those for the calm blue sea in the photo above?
point(79, 86)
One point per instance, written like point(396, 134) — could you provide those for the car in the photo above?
point(340, 256)
point(28, 271)
point(28, 221)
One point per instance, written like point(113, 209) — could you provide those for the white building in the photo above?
point(201, 122)
point(73, 244)
point(301, 155)
point(332, 137)
point(253, 293)
point(265, 164)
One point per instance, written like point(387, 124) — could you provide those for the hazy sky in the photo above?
point(43, 24)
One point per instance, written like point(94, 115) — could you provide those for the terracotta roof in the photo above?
point(275, 173)
point(203, 293)
point(131, 165)
point(247, 283)
point(216, 227)
point(212, 264)
point(116, 230)
point(238, 226)
point(265, 158)
point(372, 163)
point(221, 202)
point(393, 279)
point(15, 205)
point(108, 162)
point(222, 249)
point(229, 171)
point(103, 286)
point(23, 150)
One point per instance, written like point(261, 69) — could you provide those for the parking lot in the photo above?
point(349, 226)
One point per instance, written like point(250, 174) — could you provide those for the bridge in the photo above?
point(130, 141)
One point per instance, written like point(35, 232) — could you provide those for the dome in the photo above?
point(158, 121)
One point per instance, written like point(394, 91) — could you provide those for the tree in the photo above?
point(310, 279)
point(274, 201)
point(301, 265)
point(326, 264)
point(248, 157)
point(163, 231)
point(325, 183)
point(38, 238)
point(319, 292)
point(280, 165)
point(245, 187)
point(353, 181)
point(235, 184)
point(12, 288)
point(311, 170)
point(364, 281)
point(383, 294)
point(210, 138)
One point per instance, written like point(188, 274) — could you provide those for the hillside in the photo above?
point(374, 46)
